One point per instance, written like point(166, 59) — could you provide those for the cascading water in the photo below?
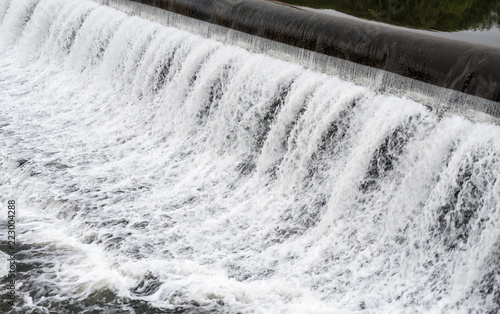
point(158, 171)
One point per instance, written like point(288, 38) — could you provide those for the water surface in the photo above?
point(157, 171)
point(470, 20)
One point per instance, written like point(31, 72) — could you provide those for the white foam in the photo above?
point(174, 169)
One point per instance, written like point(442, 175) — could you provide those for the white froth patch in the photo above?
point(4, 265)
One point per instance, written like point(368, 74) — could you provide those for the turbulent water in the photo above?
point(156, 171)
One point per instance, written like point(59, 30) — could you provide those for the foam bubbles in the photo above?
point(158, 170)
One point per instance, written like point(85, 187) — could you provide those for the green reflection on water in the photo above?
point(439, 15)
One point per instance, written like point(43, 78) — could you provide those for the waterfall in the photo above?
point(158, 170)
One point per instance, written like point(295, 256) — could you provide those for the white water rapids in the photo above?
point(158, 171)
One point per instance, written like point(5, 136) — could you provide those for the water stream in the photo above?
point(158, 171)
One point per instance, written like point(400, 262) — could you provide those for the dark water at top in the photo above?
point(470, 20)
point(438, 15)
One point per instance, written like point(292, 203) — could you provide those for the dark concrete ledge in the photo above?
point(461, 66)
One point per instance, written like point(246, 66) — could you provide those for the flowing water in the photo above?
point(157, 171)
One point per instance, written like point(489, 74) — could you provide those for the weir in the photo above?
point(439, 98)
point(158, 170)
point(465, 67)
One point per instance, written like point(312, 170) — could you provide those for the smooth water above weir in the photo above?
point(437, 15)
point(158, 171)
point(475, 22)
